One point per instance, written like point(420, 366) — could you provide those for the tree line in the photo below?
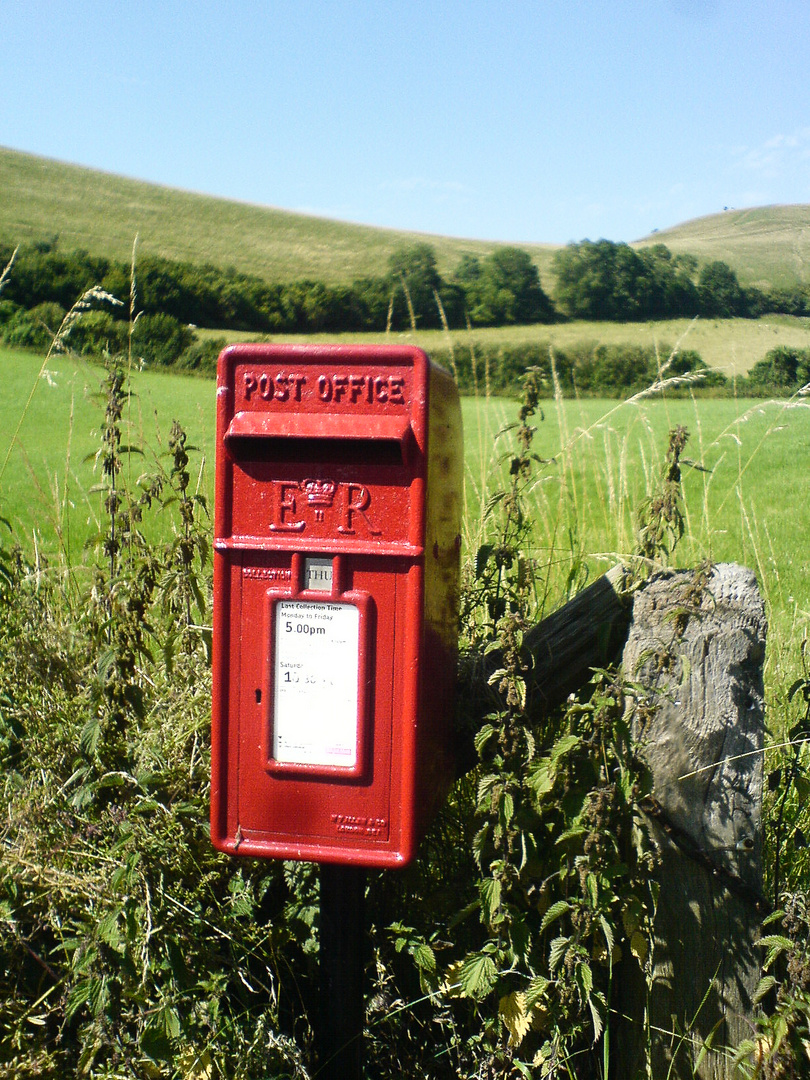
point(603, 280)
point(589, 369)
point(595, 280)
point(599, 280)
point(500, 288)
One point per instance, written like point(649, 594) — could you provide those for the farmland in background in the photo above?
point(744, 487)
point(102, 213)
point(731, 346)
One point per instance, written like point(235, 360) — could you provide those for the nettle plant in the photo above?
point(128, 946)
point(562, 888)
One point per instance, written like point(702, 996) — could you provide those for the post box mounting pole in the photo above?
point(341, 960)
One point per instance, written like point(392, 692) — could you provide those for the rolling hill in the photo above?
point(767, 245)
point(102, 213)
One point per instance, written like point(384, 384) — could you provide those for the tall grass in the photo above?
point(595, 464)
point(743, 484)
point(743, 491)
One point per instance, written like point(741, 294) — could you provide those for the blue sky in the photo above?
point(551, 120)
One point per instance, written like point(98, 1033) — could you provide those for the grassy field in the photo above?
point(102, 213)
point(765, 245)
point(745, 502)
point(744, 488)
point(732, 346)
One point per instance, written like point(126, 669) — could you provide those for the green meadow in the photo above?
point(744, 481)
point(731, 346)
point(103, 213)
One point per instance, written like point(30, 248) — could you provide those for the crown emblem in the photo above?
point(319, 493)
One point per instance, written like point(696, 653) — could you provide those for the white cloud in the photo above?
point(775, 156)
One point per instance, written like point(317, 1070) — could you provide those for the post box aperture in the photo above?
point(336, 573)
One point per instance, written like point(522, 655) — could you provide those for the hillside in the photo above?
point(768, 245)
point(102, 213)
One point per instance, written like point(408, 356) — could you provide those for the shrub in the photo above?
point(201, 356)
point(781, 369)
point(97, 333)
point(34, 329)
point(160, 339)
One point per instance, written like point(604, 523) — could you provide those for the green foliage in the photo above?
point(720, 293)
point(781, 1048)
point(503, 288)
point(98, 333)
point(781, 370)
point(561, 883)
point(788, 783)
point(160, 339)
point(128, 945)
point(413, 269)
point(605, 280)
point(34, 328)
point(173, 295)
point(661, 521)
point(583, 370)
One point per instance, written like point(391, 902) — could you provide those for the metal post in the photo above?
point(342, 952)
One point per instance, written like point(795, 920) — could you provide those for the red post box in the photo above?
point(336, 563)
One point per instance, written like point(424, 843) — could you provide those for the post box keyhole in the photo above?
point(258, 697)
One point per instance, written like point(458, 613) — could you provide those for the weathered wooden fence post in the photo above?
point(698, 647)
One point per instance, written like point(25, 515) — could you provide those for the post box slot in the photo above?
point(343, 451)
point(358, 434)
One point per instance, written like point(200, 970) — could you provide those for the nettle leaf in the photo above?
point(480, 842)
point(564, 746)
point(477, 976)
point(483, 736)
point(596, 1003)
point(607, 930)
point(507, 809)
point(766, 984)
point(556, 953)
point(574, 833)
point(536, 990)
point(109, 929)
point(592, 890)
point(556, 911)
point(490, 893)
point(775, 944)
point(584, 979)
point(541, 777)
point(482, 558)
point(486, 785)
point(78, 996)
point(639, 947)
point(424, 957)
point(90, 736)
point(517, 1017)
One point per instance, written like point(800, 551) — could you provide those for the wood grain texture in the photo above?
point(699, 653)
